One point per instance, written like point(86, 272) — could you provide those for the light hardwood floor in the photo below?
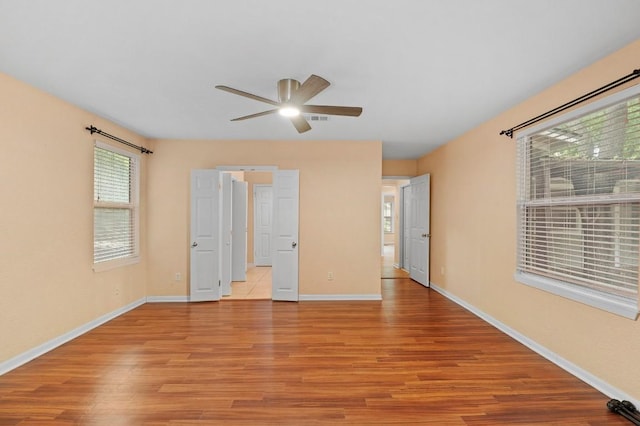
point(388, 268)
point(413, 358)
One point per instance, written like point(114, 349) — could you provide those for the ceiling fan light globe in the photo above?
point(289, 111)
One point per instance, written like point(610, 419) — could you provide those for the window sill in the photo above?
point(614, 304)
point(116, 263)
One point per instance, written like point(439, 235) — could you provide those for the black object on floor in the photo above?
point(631, 409)
point(626, 409)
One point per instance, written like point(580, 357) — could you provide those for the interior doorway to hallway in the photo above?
point(211, 237)
point(256, 283)
point(391, 228)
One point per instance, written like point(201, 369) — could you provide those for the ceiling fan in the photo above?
point(292, 97)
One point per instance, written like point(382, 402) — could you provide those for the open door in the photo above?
point(419, 229)
point(225, 236)
point(404, 228)
point(239, 231)
point(285, 235)
point(205, 236)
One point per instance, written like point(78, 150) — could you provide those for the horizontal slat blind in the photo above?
point(114, 189)
point(579, 200)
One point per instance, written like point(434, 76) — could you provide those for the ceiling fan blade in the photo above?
point(332, 110)
point(311, 87)
point(258, 114)
point(300, 123)
point(247, 95)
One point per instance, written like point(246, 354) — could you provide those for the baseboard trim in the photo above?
point(571, 368)
point(167, 299)
point(338, 297)
point(32, 354)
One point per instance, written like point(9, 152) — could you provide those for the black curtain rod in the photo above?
point(635, 74)
point(142, 149)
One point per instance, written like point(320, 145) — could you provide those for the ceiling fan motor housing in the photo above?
point(286, 88)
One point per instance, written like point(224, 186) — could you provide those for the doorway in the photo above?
point(257, 284)
point(211, 235)
point(406, 216)
point(391, 228)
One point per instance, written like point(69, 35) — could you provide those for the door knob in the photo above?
point(424, 235)
point(194, 244)
point(294, 244)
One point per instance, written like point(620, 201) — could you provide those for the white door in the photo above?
point(285, 235)
point(239, 232)
point(406, 227)
point(382, 225)
point(225, 236)
point(262, 224)
point(204, 274)
point(419, 230)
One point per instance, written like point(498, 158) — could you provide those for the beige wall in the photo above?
point(400, 168)
point(47, 285)
point(339, 208)
point(473, 226)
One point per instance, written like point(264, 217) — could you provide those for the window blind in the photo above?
point(579, 200)
point(115, 205)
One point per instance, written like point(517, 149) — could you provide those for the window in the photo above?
point(387, 216)
point(115, 206)
point(579, 204)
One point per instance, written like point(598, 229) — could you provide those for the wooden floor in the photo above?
point(414, 358)
point(388, 265)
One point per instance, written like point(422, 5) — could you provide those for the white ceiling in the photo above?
point(424, 71)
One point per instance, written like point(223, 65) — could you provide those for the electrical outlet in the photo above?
point(178, 276)
point(117, 291)
point(330, 276)
point(442, 270)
